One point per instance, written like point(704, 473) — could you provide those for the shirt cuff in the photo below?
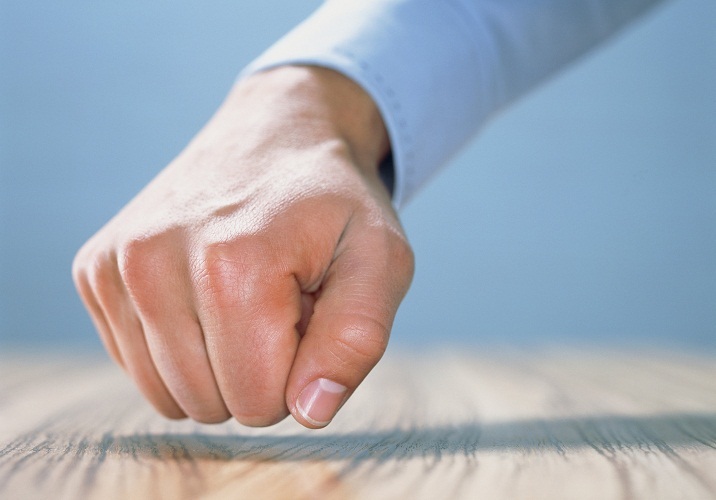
point(437, 70)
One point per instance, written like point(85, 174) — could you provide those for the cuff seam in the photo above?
point(388, 102)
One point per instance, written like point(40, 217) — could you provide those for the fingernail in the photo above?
point(319, 401)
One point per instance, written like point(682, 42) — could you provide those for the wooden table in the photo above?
point(547, 424)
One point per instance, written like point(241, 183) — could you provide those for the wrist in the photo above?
point(312, 103)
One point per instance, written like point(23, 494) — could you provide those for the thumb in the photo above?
point(350, 325)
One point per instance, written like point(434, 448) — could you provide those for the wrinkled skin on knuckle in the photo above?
point(223, 271)
point(251, 273)
point(134, 260)
point(388, 263)
point(381, 232)
point(148, 265)
point(360, 345)
point(399, 263)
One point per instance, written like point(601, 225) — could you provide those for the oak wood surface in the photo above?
point(546, 424)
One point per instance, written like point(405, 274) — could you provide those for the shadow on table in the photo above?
point(606, 435)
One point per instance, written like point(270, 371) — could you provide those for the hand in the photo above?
point(260, 272)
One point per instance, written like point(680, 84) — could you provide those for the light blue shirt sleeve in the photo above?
point(438, 69)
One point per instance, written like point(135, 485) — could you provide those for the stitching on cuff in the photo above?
point(404, 136)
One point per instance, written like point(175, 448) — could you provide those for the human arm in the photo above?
point(439, 70)
point(212, 287)
point(265, 257)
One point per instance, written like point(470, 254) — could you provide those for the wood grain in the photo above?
point(550, 424)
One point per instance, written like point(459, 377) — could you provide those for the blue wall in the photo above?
point(586, 213)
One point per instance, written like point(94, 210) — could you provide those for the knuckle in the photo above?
point(217, 279)
point(360, 345)
point(393, 255)
point(144, 263)
point(227, 271)
point(404, 257)
point(96, 275)
point(221, 262)
point(134, 260)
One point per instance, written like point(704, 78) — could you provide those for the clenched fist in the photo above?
point(260, 272)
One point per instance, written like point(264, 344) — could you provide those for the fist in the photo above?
point(260, 272)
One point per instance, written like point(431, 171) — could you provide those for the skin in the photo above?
point(266, 256)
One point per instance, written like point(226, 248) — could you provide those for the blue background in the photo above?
point(584, 214)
